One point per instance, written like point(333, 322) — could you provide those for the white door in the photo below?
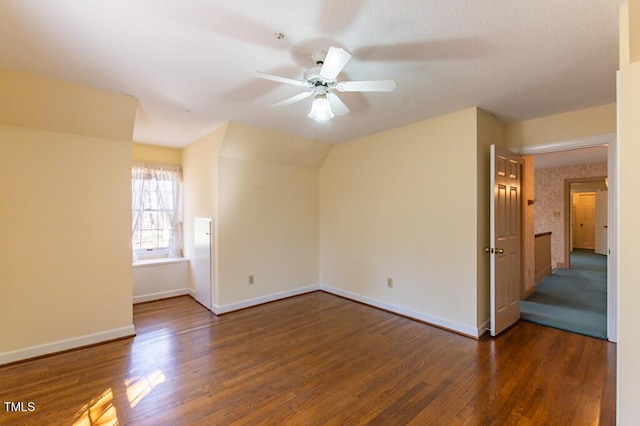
point(202, 261)
point(505, 239)
point(601, 222)
point(584, 220)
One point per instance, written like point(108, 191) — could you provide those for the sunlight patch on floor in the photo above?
point(99, 411)
point(140, 386)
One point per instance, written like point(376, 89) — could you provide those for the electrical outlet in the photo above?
point(390, 282)
point(252, 279)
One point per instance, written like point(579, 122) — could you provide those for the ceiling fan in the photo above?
point(321, 80)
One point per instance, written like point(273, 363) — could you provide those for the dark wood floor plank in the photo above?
point(315, 359)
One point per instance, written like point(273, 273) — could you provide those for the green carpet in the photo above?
point(572, 299)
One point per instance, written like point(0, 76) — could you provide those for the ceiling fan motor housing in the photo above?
point(313, 75)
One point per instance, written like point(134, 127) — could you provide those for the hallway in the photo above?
point(572, 299)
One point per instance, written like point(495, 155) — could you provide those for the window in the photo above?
point(156, 211)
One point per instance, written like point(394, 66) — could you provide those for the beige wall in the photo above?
point(156, 154)
point(200, 193)
point(268, 228)
point(628, 351)
point(633, 38)
point(550, 207)
point(489, 131)
point(42, 103)
point(561, 127)
point(261, 189)
point(268, 210)
point(402, 204)
point(244, 142)
point(65, 251)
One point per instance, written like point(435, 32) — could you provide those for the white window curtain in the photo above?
point(156, 208)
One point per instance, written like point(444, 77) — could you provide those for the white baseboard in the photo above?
point(430, 319)
point(484, 328)
point(63, 345)
point(420, 316)
point(223, 309)
point(160, 295)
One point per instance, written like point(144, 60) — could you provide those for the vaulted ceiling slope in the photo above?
point(189, 63)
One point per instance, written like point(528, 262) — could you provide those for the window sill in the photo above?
point(160, 261)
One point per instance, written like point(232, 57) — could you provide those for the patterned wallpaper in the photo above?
point(549, 215)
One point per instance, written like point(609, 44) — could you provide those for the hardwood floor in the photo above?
point(315, 359)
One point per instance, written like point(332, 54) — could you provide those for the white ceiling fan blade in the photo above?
point(300, 83)
point(294, 99)
point(335, 61)
point(337, 106)
point(366, 86)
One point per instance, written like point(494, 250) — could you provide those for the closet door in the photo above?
point(202, 258)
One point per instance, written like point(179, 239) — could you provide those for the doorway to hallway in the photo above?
point(572, 299)
point(604, 149)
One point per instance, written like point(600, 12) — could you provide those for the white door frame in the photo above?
point(568, 215)
point(611, 140)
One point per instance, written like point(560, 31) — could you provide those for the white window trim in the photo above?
point(175, 250)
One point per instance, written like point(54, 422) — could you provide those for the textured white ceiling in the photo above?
point(596, 154)
point(188, 62)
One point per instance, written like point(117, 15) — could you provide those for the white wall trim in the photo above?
point(484, 328)
point(160, 295)
point(159, 261)
point(610, 139)
point(430, 319)
point(420, 316)
point(63, 345)
point(613, 234)
point(567, 145)
point(223, 309)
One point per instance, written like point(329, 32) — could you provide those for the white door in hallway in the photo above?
point(506, 185)
point(601, 222)
point(584, 221)
point(201, 261)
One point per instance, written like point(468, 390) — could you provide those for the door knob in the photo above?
point(499, 251)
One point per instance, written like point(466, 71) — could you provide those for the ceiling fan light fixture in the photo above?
point(321, 108)
point(324, 77)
